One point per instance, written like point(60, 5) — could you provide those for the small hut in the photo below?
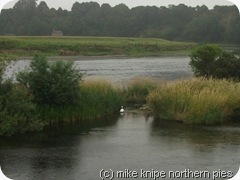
point(57, 33)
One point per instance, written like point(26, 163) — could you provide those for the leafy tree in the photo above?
point(196, 30)
point(56, 84)
point(117, 22)
point(26, 4)
point(203, 58)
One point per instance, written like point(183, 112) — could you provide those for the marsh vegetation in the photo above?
point(56, 92)
point(195, 101)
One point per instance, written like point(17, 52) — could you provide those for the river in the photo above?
point(126, 146)
point(121, 70)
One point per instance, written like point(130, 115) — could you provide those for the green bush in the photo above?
point(212, 61)
point(203, 58)
point(227, 66)
point(56, 84)
point(17, 113)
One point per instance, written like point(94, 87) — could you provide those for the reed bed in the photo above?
point(99, 98)
point(137, 89)
point(195, 101)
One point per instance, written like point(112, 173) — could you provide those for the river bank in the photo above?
point(17, 47)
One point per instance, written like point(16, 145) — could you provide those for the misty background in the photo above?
point(67, 4)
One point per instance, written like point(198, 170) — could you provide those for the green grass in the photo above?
point(19, 46)
point(195, 101)
point(99, 98)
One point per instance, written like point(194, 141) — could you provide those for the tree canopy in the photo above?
point(175, 22)
point(212, 61)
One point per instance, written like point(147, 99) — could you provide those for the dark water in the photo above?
point(122, 143)
point(128, 142)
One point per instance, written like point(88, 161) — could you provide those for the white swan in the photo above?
point(122, 110)
point(2, 176)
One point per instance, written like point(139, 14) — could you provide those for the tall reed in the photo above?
point(195, 101)
point(137, 89)
point(98, 98)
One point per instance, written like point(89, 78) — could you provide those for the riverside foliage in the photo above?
point(55, 84)
point(50, 93)
point(17, 112)
point(195, 101)
point(212, 61)
point(137, 90)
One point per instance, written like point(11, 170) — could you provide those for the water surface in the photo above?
point(125, 142)
point(121, 70)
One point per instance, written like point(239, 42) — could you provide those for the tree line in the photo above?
point(175, 22)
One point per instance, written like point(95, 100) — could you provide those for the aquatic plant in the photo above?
point(195, 101)
point(137, 89)
point(100, 97)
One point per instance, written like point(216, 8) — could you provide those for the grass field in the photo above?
point(12, 47)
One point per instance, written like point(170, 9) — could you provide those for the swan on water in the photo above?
point(122, 110)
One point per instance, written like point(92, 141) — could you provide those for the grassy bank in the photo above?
point(195, 101)
point(12, 47)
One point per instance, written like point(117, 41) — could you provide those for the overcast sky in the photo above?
point(67, 4)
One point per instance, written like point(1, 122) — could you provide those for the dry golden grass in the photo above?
point(195, 100)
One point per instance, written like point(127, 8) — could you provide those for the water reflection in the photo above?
point(78, 151)
point(197, 134)
point(51, 154)
point(198, 147)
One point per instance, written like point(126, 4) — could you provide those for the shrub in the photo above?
point(195, 101)
point(227, 66)
point(212, 61)
point(203, 58)
point(55, 84)
point(17, 113)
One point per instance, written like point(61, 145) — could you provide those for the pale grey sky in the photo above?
point(67, 4)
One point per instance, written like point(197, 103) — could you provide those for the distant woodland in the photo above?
point(182, 23)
